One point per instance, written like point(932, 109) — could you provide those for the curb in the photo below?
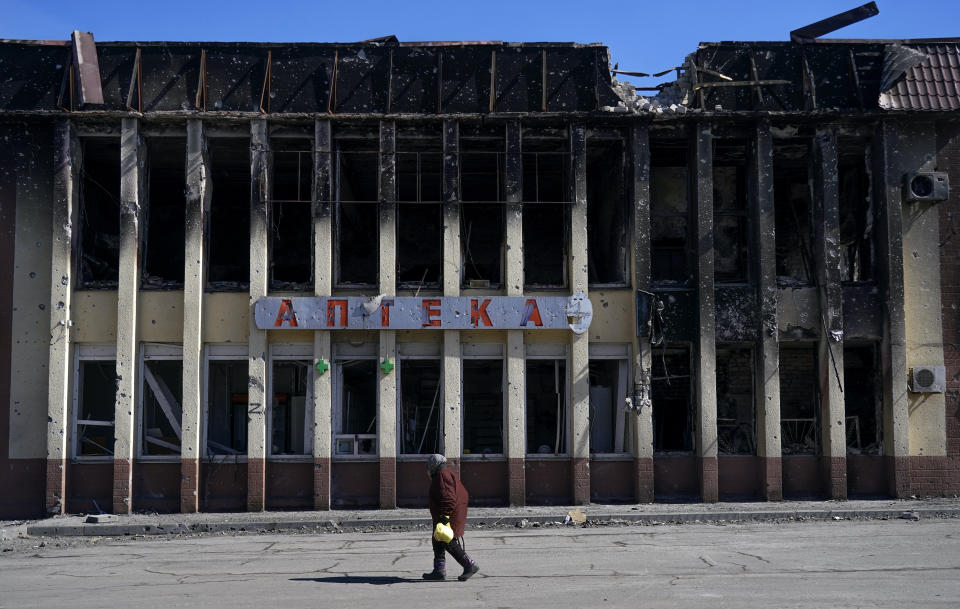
point(330, 526)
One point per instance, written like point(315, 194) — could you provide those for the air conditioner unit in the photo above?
point(928, 379)
point(926, 186)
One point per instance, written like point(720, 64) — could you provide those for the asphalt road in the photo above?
point(892, 563)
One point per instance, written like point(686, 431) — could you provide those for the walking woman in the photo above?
point(448, 504)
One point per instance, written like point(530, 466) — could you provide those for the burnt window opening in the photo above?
point(736, 408)
point(229, 214)
point(355, 428)
point(482, 221)
point(799, 399)
point(419, 213)
point(290, 407)
point(291, 215)
point(792, 204)
point(482, 406)
point(421, 407)
point(164, 213)
point(161, 391)
point(862, 401)
point(731, 236)
point(356, 219)
point(609, 422)
point(672, 396)
point(96, 389)
point(857, 213)
point(546, 212)
point(607, 222)
point(227, 407)
point(670, 224)
point(99, 242)
point(546, 405)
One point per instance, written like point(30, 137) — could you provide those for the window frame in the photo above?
point(347, 352)
point(548, 352)
point(620, 353)
point(292, 352)
point(420, 351)
point(219, 352)
point(84, 353)
point(485, 351)
point(158, 352)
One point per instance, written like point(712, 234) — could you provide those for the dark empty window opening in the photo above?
point(99, 243)
point(421, 407)
point(419, 213)
point(291, 215)
point(162, 411)
point(792, 204)
point(96, 395)
point(606, 213)
point(736, 409)
point(857, 212)
point(546, 406)
point(164, 213)
point(546, 199)
point(482, 222)
point(861, 395)
point(482, 167)
point(482, 406)
point(227, 407)
point(799, 399)
point(670, 390)
point(290, 409)
point(730, 218)
point(230, 214)
point(669, 214)
point(356, 415)
point(357, 216)
point(609, 428)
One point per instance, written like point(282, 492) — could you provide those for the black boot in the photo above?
point(439, 572)
point(456, 550)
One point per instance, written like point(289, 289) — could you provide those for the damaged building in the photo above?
point(243, 276)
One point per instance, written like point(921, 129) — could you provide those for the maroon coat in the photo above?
point(449, 498)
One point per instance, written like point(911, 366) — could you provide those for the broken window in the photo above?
point(356, 218)
point(546, 404)
point(672, 396)
point(799, 399)
point(95, 390)
point(546, 210)
point(856, 211)
point(164, 213)
point(736, 410)
point(792, 204)
point(482, 395)
point(226, 413)
point(731, 236)
point(229, 214)
point(161, 400)
point(355, 414)
point(669, 214)
point(291, 388)
point(421, 406)
point(609, 422)
point(606, 212)
point(291, 215)
point(419, 213)
point(482, 223)
point(99, 243)
point(861, 396)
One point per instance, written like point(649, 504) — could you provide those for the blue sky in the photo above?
point(645, 36)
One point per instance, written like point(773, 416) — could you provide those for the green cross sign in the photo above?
point(322, 366)
point(386, 366)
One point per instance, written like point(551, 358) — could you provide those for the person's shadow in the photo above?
point(375, 580)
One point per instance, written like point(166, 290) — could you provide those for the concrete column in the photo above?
point(451, 288)
point(323, 286)
point(515, 427)
point(132, 180)
point(826, 202)
point(887, 187)
point(767, 372)
point(260, 189)
point(642, 420)
point(65, 204)
point(579, 353)
point(387, 417)
point(706, 359)
point(194, 280)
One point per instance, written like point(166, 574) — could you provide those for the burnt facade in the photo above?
point(276, 276)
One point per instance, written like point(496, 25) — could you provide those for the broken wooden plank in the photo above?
point(163, 395)
point(88, 67)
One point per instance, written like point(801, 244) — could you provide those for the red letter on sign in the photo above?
point(286, 314)
point(479, 313)
point(531, 312)
point(431, 309)
point(385, 314)
point(332, 306)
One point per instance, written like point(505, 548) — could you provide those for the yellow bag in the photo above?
point(443, 533)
